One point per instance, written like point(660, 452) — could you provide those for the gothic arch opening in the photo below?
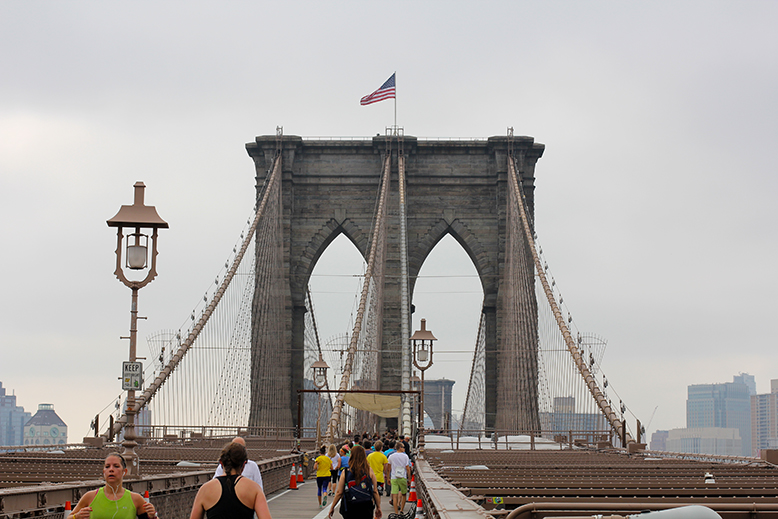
point(335, 284)
point(448, 294)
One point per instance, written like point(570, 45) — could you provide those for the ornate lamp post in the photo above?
point(421, 341)
point(319, 380)
point(138, 218)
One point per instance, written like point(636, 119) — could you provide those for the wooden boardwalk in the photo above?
point(302, 503)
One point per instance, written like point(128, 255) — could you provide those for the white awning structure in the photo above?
point(385, 406)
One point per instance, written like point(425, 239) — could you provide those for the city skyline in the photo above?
point(654, 198)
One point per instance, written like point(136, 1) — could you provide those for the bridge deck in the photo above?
point(589, 482)
point(302, 503)
point(452, 484)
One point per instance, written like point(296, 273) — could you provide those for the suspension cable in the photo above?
point(176, 358)
point(580, 363)
point(404, 299)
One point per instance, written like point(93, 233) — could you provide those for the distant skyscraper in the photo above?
point(724, 441)
point(721, 405)
point(564, 419)
point(564, 404)
point(12, 419)
point(142, 421)
point(437, 402)
point(317, 408)
point(748, 380)
point(659, 441)
point(764, 420)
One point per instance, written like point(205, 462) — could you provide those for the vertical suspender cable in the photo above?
point(470, 392)
point(405, 303)
point(149, 393)
point(602, 402)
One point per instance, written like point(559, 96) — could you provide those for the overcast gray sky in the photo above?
point(655, 199)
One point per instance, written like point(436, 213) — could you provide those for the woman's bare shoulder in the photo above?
point(212, 483)
point(137, 499)
point(210, 492)
point(87, 498)
point(247, 491)
point(247, 483)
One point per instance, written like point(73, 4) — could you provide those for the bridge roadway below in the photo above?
point(302, 503)
point(38, 483)
point(506, 482)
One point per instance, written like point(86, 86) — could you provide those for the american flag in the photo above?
point(385, 92)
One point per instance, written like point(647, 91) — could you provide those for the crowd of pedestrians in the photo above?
point(357, 473)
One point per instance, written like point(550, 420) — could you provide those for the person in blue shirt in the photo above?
point(345, 454)
point(389, 448)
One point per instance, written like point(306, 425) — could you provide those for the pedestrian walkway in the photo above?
point(302, 503)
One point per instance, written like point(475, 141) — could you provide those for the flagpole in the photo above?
point(387, 90)
point(395, 102)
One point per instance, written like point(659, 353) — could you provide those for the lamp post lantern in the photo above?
point(320, 373)
point(421, 341)
point(319, 381)
point(139, 219)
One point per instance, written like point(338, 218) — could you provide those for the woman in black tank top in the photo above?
point(229, 506)
point(231, 496)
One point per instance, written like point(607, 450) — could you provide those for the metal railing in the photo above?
point(516, 440)
point(172, 494)
point(181, 432)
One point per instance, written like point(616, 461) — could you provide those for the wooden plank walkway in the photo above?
point(302, 503)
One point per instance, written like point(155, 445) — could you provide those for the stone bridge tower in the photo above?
point(456, 187)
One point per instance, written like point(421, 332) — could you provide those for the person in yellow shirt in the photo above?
point(377, 461)
point(322, 466)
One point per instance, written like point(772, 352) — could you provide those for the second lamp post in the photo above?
point(319, 381)
point(421, 342)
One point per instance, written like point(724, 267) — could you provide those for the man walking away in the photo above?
point(250, 470)
point(377, 461)
point(405, 442)
point(400, 472)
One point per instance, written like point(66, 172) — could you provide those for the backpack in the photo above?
point(357, 492)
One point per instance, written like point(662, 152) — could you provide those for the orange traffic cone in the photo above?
point(419, 510)
point(412, 495)
point(300, 473)
point(293, 479)
point(67, 509)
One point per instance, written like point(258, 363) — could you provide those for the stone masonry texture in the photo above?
point(454, 187)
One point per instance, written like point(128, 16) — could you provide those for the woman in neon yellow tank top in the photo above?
point(113, 501)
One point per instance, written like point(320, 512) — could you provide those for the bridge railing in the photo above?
point(441, 499)
point(768, 458)
point(172, 494)
point(181, 432)
point(40, 448)
point(516, 440)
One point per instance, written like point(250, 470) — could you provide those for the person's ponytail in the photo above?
point(233, 457)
